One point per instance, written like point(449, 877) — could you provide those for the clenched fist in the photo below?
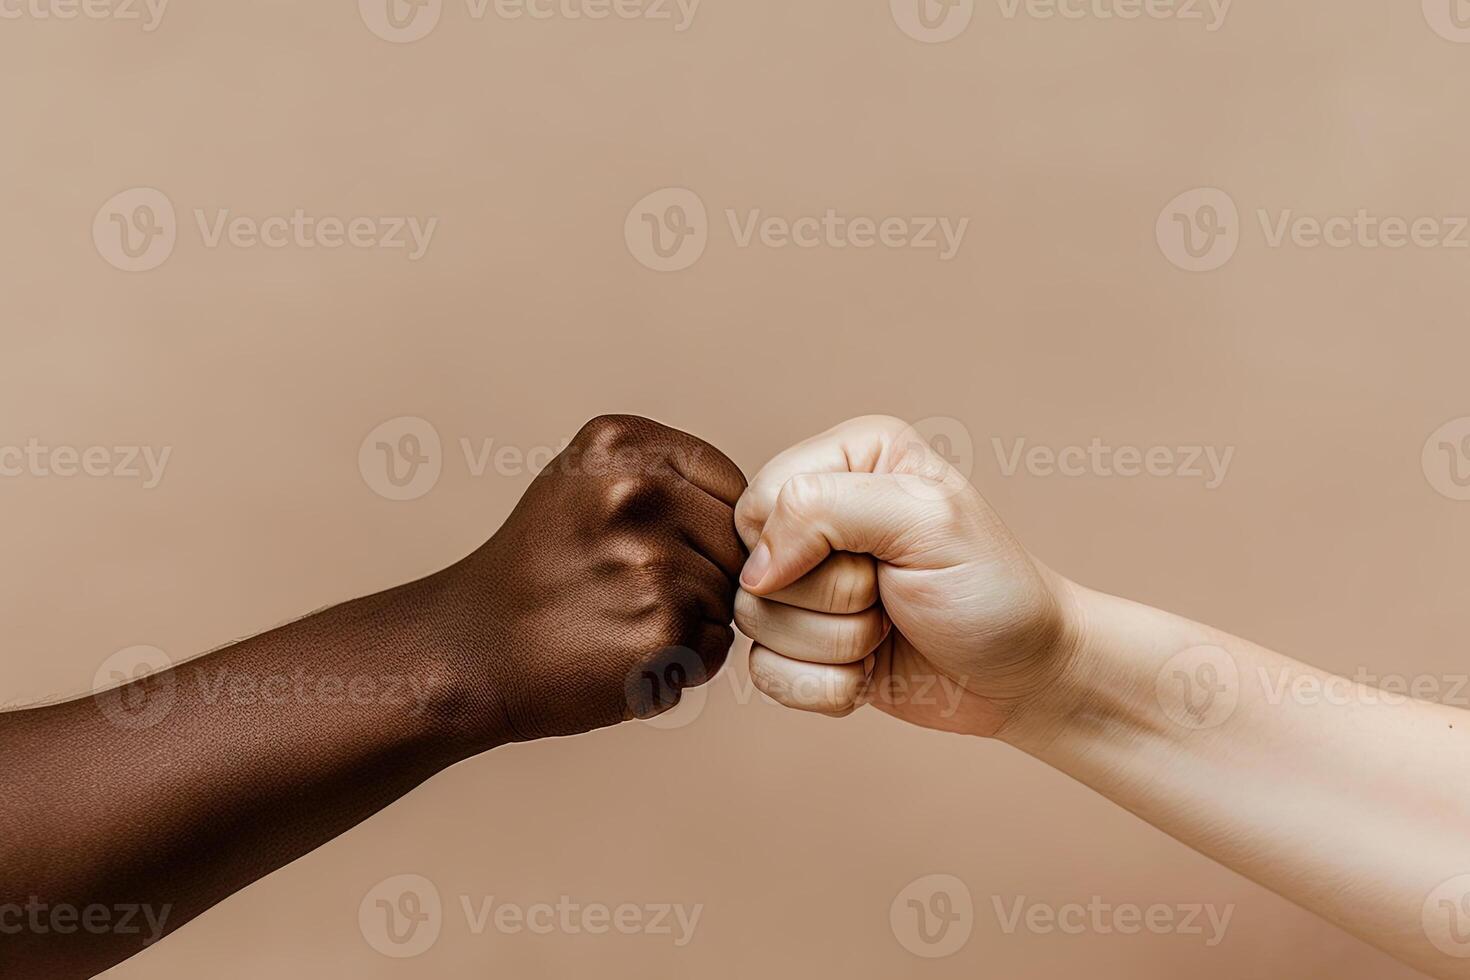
point(879, 575)
point(607, 591)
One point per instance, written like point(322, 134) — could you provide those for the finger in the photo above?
point(800, 634)
point(708, 595)
point(712, 641)
point(709, 528)
point(829, 689)
point(628, 445)
point(817, 514)
point(854, 446)
point(843, 583)
point(656, 684)
point(706, 467)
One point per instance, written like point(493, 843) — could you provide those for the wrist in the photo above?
point(1107, 667)
point(445, 653)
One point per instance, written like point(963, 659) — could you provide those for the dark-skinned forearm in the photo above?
point(240, 762)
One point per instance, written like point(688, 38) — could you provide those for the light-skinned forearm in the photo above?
point(1351, 801)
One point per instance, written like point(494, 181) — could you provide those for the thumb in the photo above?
point(819, 513)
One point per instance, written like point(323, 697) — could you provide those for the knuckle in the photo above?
point(803, 495)
point(954, 508)
point(617, 442)
point(642, 557)
point(852, 584)
point(633, 497)
point(848, 639)
point(606, 429)
point(767, 673)
point(646, 606)
point(690, 454)
point(747, 613)
point(656, 682)
point(880, 423)
point(715, 656)
point(749, 518)
point(668, 625)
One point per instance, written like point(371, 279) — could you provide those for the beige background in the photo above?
point(1060, 320)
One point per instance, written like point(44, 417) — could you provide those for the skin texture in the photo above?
point(606, 592)
point(1348, 800)
point(965, 602)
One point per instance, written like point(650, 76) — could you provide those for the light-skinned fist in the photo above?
point(879, 575)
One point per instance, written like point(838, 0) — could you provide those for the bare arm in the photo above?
point(607, 591)
point(1351, 801)
point(144, 806)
